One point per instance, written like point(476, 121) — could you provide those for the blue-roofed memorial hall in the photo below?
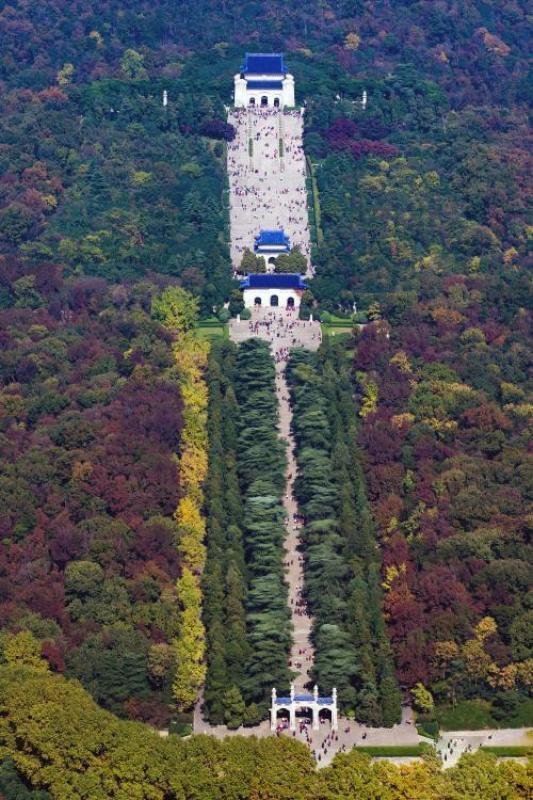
point(270, 244)
point(264, 81)
point(283, 291)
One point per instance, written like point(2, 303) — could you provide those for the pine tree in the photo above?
point(234, 708)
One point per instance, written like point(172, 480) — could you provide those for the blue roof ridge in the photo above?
point(276, 280)
point(270, 55)
point(265, 64)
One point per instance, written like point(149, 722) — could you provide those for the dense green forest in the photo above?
point(103, 181)
point(54, 737)
point(246, 611)
point(409, 186)
point(342, 570)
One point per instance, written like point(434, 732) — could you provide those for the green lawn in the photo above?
point(329, 330)
point(213, 331)
point(476, 715)
point(393, 751)
point(510, 751)
point(466, 715)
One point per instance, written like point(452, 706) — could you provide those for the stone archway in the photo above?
point(251, 102)
point(274, 300)
point(257, 301)
point(264, 101)
point(276, 102)
point(272, 260)
point(290, 302)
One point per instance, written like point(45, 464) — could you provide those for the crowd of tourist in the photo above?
point(267, 185)
point(284, 331)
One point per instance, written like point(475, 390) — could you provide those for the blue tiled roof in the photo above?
point(271, 238)
point(269, 281)
point(304, 698)
point(264, 64)
point(264, 85)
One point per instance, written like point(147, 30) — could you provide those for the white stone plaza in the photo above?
point(267, 188)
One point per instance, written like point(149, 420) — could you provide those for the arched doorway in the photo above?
point(282, 719)
point(276, 102)
point(274, 300)
point(325, 715)
point(290, 302)
point(264, 100)
point(252, 101)
point(303, 717)
point(272, 260)
point(257, 301)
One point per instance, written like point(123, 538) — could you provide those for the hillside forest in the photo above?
point(141, 474)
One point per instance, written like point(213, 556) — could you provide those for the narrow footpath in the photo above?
point(302, 653)
point(284, 331)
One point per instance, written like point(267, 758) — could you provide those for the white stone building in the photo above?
point(283, 290)
point(264, 81)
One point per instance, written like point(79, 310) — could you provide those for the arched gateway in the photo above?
point(300, 702)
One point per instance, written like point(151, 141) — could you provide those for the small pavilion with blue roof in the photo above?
point(312, 703)
point(271, 243)
point(264, 81)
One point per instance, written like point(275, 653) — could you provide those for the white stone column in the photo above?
point(273, 712)
point(316, 716)
point(334, 712)
point(316, 709)
point(292, 717)
point(288, 91)
point(240, 94)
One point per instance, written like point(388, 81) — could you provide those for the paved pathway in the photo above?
point(452, 744)
point(267, 190)
point(284, 331)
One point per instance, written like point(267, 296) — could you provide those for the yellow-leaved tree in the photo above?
point(189, 645)
point(177, 310)
point(24, 650)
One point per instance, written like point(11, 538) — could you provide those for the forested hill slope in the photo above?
point(96, 176)
point(476, 49)
point(106, 197)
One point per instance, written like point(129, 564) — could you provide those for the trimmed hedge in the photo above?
point(511, 751)
point(393, 750)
